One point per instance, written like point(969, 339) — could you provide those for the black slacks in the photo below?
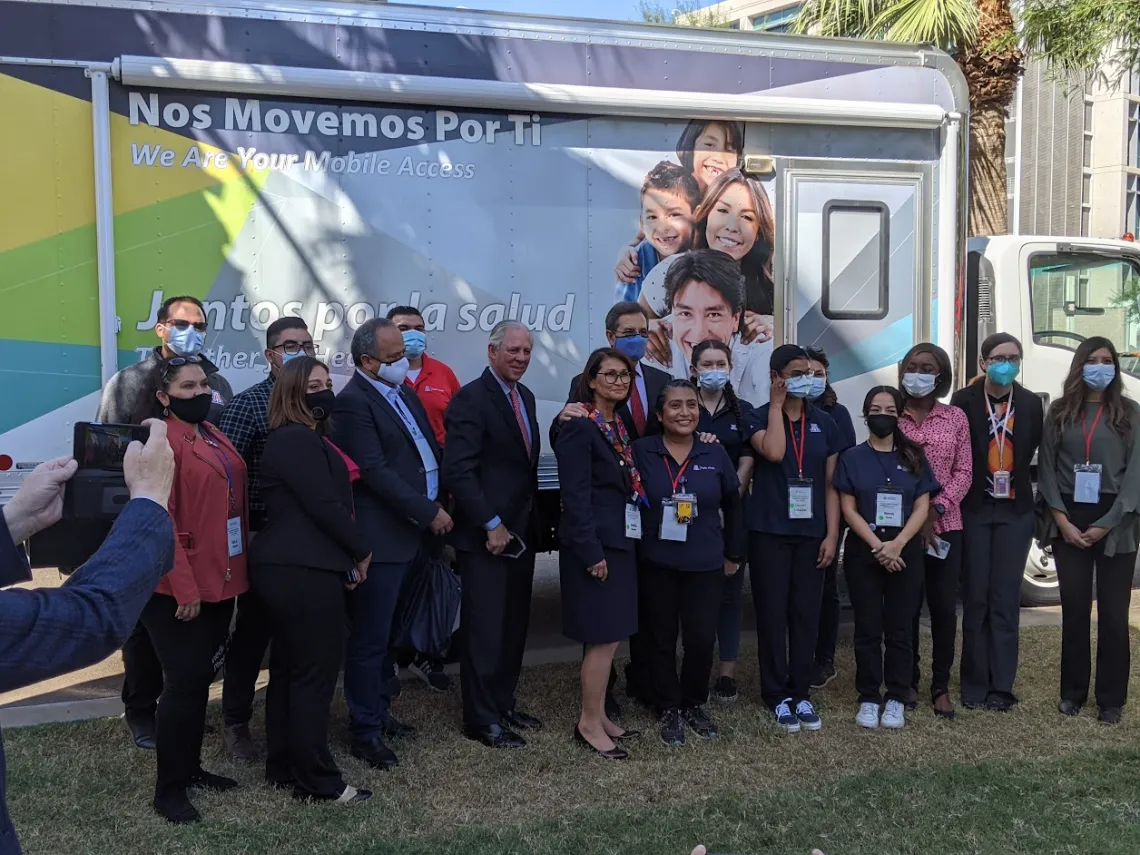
point(885, 604)
point(306, 610)
point(828, 636)
point(244, 656)
point(142, 673)
point(941, 591)
point(495, 615)
point(187, 651)
point(787, 589)
point(996, 545)
point(689, 599)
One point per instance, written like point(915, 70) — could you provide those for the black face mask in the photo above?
point(882, 425)
point(191, 410)
point(320, 403)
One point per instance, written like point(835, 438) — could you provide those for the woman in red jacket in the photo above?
point(188, 616)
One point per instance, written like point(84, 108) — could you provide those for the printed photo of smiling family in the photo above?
point(700, 199)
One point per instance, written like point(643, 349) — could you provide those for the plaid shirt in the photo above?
point(245, 422)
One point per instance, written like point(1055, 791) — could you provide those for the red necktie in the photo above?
point(517, 407)
point(637, 407)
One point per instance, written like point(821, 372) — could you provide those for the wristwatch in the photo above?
point(941, 508)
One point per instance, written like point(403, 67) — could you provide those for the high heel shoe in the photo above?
point(615, 753)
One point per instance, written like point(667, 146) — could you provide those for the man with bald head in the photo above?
point(490, 468)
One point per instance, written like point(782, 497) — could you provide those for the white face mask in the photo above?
point(919, 385)
point(394, 372)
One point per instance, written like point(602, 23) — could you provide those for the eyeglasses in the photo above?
point(200, 326)
point(296, 347)
point(1002, 360)
point(616, 378)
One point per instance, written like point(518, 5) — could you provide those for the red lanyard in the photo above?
point(798, 451)
point(669, 469)
point(1088, 432)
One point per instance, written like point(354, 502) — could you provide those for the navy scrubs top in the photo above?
point(842, 418)
point(734, 437)
point(861, 471)
point(767, 508)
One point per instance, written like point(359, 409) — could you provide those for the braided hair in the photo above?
point(729, 393)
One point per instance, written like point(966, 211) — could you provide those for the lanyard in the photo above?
point(883, 466)
point(1088, 432)
point(224, 459)
point(998, 426)
point(798, 451)
point(680, 472)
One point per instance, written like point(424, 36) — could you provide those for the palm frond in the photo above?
point(946, 23)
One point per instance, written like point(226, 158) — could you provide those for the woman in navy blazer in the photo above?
point(597, 562)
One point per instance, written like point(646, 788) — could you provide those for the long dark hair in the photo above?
point(828, 399)
point(583, 394)
point(1067, 409)
point(729, 393)
point(287, 404)
point(910, 452)
point(160, 379)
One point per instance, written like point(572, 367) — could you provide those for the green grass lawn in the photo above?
point(1029, 781)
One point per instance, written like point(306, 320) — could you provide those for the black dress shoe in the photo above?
point(209, 781)
point(615, 753)
point(613, 709)
point(1067, 707)
point(1110, 715)
point(399, 730)
point(627, 736)
point(376, 754)
point(495, 736)
point(520, 721)
point(142, 729)
point(174, 806)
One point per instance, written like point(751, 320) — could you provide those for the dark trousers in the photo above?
point(495, 617)
point(307, 614)
point(188, 652)
point(828, 636)
point(142, 673)
point(1113, 592)
point(244, 656)
point(884, 604)
point(941, 591)
point(689, 599)
point(995, 542)
point(729, 620)
point(786, 591)
point(367, 662)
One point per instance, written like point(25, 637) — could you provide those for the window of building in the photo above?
point(779, 21)
point(1086, 169)
point(1132, 208)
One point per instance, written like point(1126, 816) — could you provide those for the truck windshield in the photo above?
point(1077, 295)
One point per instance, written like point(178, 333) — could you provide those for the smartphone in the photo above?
point(514, 548)
point(100, 446)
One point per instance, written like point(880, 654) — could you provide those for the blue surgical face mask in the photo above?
point(632, 346)
point(713, 380)
point(1098, 376)
point(919, 385)
point(799, 387)
point(1002, 373)
point(186, 341)
point(818, 387)
point(415, 343)
point(286, 357)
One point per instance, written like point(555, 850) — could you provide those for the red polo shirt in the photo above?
point(435, 388)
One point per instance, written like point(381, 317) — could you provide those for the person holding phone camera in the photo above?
point(308, 552)
point(885, 487)
point(188, 617)
point(685, 554)
point(490, 467)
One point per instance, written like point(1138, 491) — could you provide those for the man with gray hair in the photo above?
point(490, 467)
point(381, 424)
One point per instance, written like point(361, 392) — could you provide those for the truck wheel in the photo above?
point(1039, 584)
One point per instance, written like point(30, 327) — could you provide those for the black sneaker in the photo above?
point(431, 672)
point(822, 674)
point(672, 728)
point(699, 722)
point(725, 690)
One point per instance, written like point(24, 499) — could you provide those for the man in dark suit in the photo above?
point(382, 426)
point(44, 633)
point(490, 468)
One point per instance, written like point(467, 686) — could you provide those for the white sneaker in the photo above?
point(894, 715)
point(868, 716)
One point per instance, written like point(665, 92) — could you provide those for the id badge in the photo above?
point(632, 522)
point(685, 505)
point(889, 508)
point(233, 535)
point(1086, 483)
point(670, 528)
point(1002, 483)
point(799, 499)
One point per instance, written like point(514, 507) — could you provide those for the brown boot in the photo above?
point(239, 744)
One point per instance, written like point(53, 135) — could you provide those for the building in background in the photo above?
point(769, 16)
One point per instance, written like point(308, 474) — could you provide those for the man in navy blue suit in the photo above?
point(45, 633)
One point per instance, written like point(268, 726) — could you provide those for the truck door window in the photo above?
point(856, 254)
point(1077, 295)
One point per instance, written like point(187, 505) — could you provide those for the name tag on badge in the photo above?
point(1002, 484)
point(632, 522)
point(889, 508)
point(233, 535)
point(670, 528)
point(1086, 483)
point(799, 499)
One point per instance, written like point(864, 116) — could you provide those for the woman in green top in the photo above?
point(1089, 477)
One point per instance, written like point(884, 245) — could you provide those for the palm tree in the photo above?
point(979, 34)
